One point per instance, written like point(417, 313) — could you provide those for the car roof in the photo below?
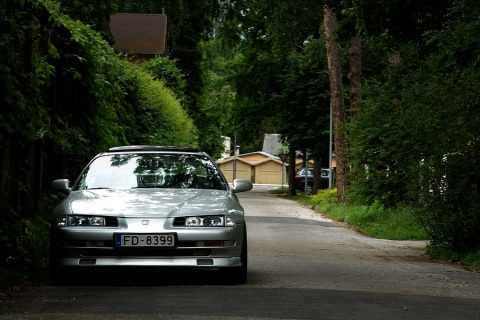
point(152, 148)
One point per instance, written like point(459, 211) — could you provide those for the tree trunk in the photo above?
point(317, 175)
point(291, 171)
point(336, 100)
point(355, 76)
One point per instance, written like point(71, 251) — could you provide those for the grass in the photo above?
point(377, 222)
point(469, 259)
point(373, 221)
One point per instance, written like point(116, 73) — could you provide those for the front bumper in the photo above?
point(174, 262)
point(91, 247)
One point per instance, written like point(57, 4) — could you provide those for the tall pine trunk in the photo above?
point(355, 75)
point(336, 100)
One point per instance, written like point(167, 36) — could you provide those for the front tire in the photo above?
point(309, 188)
point(238, 275)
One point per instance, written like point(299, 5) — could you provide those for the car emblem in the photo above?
point(145, 222)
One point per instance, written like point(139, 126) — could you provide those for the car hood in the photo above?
point(148, 202)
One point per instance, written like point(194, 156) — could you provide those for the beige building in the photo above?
point(269, 171)
point(259, 167)
point(243, 168)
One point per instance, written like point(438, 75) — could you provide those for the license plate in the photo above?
point(145, 240)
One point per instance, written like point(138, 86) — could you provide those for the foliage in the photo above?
point(165, 70)
point(189, 23)
point(218, 95)
point(65, 96)
point(279, 81)
point(325, 198)
point(162, 115)
point(399, 223)
point(93, 13)
point(35, 244)
point(304, 101)
point(469, 258)
point(22, 107)
point(416, 141)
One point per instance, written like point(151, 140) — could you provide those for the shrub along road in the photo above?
point(301, 266)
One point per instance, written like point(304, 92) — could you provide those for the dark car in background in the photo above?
point(306, 174)
point(149, 206)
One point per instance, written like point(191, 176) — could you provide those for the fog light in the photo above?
point(204, 262)
point(213, 243)
point(210, 243)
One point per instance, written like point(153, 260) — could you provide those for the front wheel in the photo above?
point(308, 189)
point(238, 275)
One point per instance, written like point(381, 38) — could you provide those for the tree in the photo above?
point(416, 131)
point(337, 101)
point(94, 13)
point(189, 23)
point(280, 86)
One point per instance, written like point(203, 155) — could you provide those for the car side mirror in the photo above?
point(242, 185)
point(61, 185)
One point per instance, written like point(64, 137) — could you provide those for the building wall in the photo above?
point(269, 173)
point(243, 170)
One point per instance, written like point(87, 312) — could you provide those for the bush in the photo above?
point(160, 115)
point(325, 197)
point(27, 244)
point(165, 70)
point(470, 258)
point(396, 223)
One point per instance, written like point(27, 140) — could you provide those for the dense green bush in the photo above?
point(65, 96)
point(415, 143)
point(165, 70)
point(325, 197)
point(162, 115)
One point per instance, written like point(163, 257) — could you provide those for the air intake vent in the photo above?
point(179, 222)
point(111, 222)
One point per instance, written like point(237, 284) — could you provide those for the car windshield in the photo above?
point(302, 172)
point(151, 170)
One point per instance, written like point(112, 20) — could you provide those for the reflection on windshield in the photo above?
point(151, 171)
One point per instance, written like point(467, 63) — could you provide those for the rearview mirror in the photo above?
point(241, 185)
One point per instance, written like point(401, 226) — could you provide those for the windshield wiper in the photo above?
point(147, 187)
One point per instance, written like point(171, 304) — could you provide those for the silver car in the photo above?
point(150, 206)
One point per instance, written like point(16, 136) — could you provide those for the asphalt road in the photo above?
point(301, 266)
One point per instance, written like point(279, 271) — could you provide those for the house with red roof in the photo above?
point(141, 37)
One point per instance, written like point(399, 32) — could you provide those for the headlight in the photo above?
point(86, 221)
point(209, 221)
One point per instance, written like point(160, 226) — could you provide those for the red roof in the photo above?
point(139, 33)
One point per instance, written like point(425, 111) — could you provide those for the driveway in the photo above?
point(301, 266)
